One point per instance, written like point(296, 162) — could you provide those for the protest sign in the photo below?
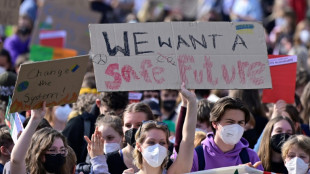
point(243, 169)
point(53, 38)
point(13, 122)
point(283, 76)
point(71, 16)
point(9, 12)
point(204, 55)
point(41, 53)
point(56, 82)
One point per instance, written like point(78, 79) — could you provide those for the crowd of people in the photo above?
point(165, 131)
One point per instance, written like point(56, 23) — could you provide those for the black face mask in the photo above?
point(24, 31)
point(53, 163)
point(277, 141)
point(130, 136)
point(169, 105)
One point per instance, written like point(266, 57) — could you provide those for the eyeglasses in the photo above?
point(54, 152)
point(152, 121)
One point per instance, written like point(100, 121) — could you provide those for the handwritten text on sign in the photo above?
point(147, 56)
point(57, 82)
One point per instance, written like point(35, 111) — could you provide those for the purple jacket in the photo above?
point(215, 158)
point(15, 47)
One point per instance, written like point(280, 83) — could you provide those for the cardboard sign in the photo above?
point(204, 55)
point(9, 12)
point(13, 122)
point(73, 16)
point(57, 82)
point(283, 75)
point(53, 38)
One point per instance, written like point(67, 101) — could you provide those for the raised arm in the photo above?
point(18, 165)
point(95, 151)
point(184, 160)
point(179, 128)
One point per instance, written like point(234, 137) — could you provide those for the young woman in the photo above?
point(225, 146)
point(110, 127)
point(47, 149)
point(277, 131)
point(151, 151)
point(118, 161)
point(296, 154)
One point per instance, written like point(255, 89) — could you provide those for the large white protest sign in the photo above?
point(204, 55)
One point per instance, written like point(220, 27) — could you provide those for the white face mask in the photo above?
point(296, 166)
point(62, 112)
point(155, 155)
point(111, 147)
point(231, 134)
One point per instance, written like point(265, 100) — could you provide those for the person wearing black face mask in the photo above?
point(276, 133)
point(47, 149)
point(19, 42)
point(168, 104)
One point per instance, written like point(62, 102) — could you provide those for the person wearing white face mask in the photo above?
point(57, 116)
point(151, 150)
point(296, 154)
point(110, 127)
point(109, 131)
point(225, 146)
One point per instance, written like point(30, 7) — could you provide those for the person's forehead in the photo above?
point(155, 134)
point(284, 124)
point(233, 114)
point(134, 117)
point(58, 143)
point(106, 129)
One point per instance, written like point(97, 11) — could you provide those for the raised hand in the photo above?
point(187, 95)
point(95, 145)
point(278, 108)
point(38, 114)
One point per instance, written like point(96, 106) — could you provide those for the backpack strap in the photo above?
point(244, 156)
point(201, 157)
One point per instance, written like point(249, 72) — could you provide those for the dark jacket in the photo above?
point(74, 131)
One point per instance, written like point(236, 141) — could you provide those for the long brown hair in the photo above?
point(265, 151)
point(41, 141)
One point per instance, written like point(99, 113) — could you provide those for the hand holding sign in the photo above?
point(57, 82)
point(38, 114)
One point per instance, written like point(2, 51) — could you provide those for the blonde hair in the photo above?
point(199, 137)
point(41, 141)
point(301, 141)
point(140, 137)
point(264, 152)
